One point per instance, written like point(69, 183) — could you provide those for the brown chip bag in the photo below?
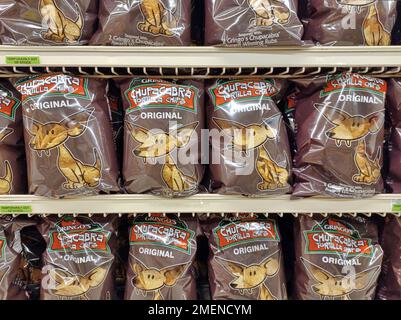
point(245, 261)
point(390, 282)
point(163, 123)
point(144, 23)
point(250, 151)
point(336, 258)
point(68, 136)
point(351, 22)
point(12, 153)
point(78, 263)
point(394, 108)
point(252, 23)
point(12, 281)
point(47, 22)
point(161, 258)
point(340, 135)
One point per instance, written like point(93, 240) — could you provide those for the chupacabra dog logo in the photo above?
point(158, 20)
point(331, 287)
point(249, 278)
point(54, 135)
point(65, 284)
point(58, 27)
point(253, 137)
point(269, 12)
point(349, 128)
point(158, 144)
point(152, 280)
point(374, 32)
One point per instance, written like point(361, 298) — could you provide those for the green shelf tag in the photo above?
point(396, 206)
point(23, 60)
point(15, 209)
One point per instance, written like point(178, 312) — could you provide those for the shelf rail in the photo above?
point(204, 203)
point(200, 62)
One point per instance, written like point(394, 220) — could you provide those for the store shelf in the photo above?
point(203, 61)
point(125, 204)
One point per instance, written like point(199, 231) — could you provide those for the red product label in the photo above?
point(245, 231)
point(2, 247)
point(333, 242)
point(79, 241)
point(59, 84)
point(241, 91)
point(162, 95)
point(161, 234)
point(355, 82)
point(8, 104)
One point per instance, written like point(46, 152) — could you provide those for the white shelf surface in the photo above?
point(205, 203)
point(213, 57)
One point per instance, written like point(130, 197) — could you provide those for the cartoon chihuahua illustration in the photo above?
point(254, 276)
point(70, 285)
point(331, 287)
point(369, 170)
point(158, 20)
point(153, 280)
point(252, 137)
point(7, 180)
point(54, 135)
point(268, 12)
point(374, 32)
point(158, 144)
point(59, 27)
point(348, 128)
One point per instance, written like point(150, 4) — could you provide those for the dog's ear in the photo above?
point(364, 279)
point(138, 267)
point(59, 276)
point(333, 115)
point(139, 134)
point(96, 276)
point(4, 132)
point(376, 121)
point(32, 126)
point(235, 268)
point(272, 264)
point(183, 135)
point(228, 127)
point(316, 272)
point(173, 274)
point(77, 123)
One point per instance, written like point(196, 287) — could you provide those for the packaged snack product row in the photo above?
point(234, 23)
point(254, 137)
point(171, 257)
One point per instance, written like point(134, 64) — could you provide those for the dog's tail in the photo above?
point(98, 162)
point(9, 174)
point(80, 19)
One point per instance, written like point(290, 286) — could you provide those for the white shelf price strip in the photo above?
point(125, 204)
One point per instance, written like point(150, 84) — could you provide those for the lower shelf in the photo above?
point(205, 203)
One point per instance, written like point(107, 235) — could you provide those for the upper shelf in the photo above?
point(202, 61)
point(204, 203)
